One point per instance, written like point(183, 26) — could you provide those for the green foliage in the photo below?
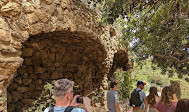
point(162, 34)
point(45, 100)
point(156, 28)
point(152, 74)
point(95, 96)
point(125, 84)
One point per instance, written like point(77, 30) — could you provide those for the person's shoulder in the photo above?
point(47, 109)
point(78, 110)
point(109, 92)
point(175, 102)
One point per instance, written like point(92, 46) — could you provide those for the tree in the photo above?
point(156, 28)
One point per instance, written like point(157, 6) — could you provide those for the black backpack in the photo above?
point(135, 99)
point(68, 109)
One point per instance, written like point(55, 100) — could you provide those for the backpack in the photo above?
point(68, 109)
point(135, 99)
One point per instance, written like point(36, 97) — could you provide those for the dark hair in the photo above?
point(151, 97)
point(112, 84)
point(168, 94)
point(182, 105)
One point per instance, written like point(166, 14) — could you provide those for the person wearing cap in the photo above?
point(140, 87)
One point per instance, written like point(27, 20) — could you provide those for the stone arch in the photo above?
point(21, 19)
point(51, 56)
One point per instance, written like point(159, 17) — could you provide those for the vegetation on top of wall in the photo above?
point(125, 84)
point(156, 28)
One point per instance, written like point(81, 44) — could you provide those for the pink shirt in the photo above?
point(163, 108)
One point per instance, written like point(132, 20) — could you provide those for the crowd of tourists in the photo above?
point(65, 101)
point(167, 102)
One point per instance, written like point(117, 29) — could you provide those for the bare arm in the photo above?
point(87, 104)
point(117, 107)
point(146, 105)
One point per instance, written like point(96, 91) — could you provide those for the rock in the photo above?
point(39, 87)
point(36, 60)
point(22, 89)
point(3, 23)
point(33, 76)
point(29, 69)
point(40, 14)
point(28, 102)
point(18, 80)
point(16, 96)
point(20, 36)
point(11, 9)
point(31, 87)
point(21, 71)
point(23, 23)
point(38, 69)
point(9, 98)
point(44, 54)
point(52, 57)
point(54, 50)
point(24, 107)
point(12, 87)
point(11, 107)
point(62, 50)
point(38, 82)
point(51, 26)
point(28, 7)
point(27, 52)
point(55, 75)
point(20, 104)
point(27, 81)
point(48, 2)
point(3, 77)
point(36, 28)
point(57, 64)
point(3, 2)
point(27, 61)
point(32, 18)
point(8, 50)
point(44, 76)
point(52, 68)
point(5, 36)
point(58, 56)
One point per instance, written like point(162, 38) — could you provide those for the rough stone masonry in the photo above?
point(43, 40)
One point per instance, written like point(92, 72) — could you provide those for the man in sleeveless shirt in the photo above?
point(113, 98)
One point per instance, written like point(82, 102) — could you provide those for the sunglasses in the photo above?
point(73, 91)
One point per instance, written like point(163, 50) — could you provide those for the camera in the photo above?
point(79, 100)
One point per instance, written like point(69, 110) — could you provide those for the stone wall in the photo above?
point(21, 19)
point(53, 56)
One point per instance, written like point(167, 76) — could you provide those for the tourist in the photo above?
point(151, 100)
point(63, 92)
point(168, 100)
point(113, 98)
point(137, 97)
point(182, 105)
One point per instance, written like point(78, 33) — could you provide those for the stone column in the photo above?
point(3, 89)
point(3, 99)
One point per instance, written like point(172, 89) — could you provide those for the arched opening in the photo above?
point(51, 56)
